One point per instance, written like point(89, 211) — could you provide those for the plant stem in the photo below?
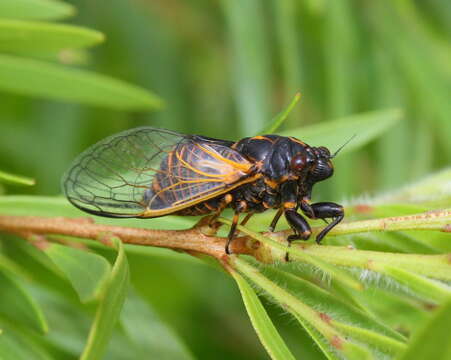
point(190, 240)
point(432, 220)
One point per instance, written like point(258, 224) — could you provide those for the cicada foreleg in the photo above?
point(324, 210)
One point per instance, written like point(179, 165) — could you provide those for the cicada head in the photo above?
point(322, 168)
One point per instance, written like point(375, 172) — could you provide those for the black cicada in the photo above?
point(147, 172)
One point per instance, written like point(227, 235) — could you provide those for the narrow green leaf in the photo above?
point(334, 272)
point(27, 37)
point(12, 267)
point(426, 288)
point(289, 50)
point(16, 179)
point(36, 206)
point(436, 185)
point(68, 321)
point(30, 250)
point(263, 326)
point(432, 340)
point(340, 57)
point(35, 9)
point(335, 341)
point(434, 266)
point(41, 79)
point(324, 301)
point(333, 134)
point(356, 352)
point(17, 346)
point(109, 308)
point(370, 338)
point(319, 339)
point(251, 72)
point(152, 338)
point(278, 120)
point(18, 306)
point(87, 272)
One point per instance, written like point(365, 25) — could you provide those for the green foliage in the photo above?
point(110, 306)
point(33, 77)
point(279, 119)
point(42, 79)
point(35, 9)
point(375, 289)
point(149, 335)
point(432, 339)
point(86, 272)
point(15, 179)
point(18, 306)
point(261, 322)
point(29, 37)
point(334, 134)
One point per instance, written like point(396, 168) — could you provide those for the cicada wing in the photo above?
point(193, 172)
point(147, 172)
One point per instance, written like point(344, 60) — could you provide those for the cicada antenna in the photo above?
point(342, 146)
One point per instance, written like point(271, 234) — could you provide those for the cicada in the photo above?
point(148, 172)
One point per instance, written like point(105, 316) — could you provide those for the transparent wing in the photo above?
point(147, 172)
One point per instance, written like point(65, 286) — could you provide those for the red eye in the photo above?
point(299, 162)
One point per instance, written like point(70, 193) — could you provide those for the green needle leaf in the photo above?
point(265, 329)
point(250, 65)
point(432, 340)
point(87, 272)
point(426, 288)
point(278, 120)
point(333, 134)
point(35, 9)
point(109, 308)
point(335, 273)
point(335, 340)
point(152, 338)
point(320, 298)
point(41, 79)
point(15, 346)
point(16, 179)
point(26, 36)
point(319, 339)
point(18, 306)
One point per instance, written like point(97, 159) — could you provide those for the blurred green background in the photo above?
point(224, 69)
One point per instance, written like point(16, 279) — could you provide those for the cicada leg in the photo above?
point(246, 218)
point(275, 220)
point(324, 210)
point(226, 200)
point(231, 235)
point(240, 207)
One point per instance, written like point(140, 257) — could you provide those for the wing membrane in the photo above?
point(147, 172)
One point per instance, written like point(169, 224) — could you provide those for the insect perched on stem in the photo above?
point(147, 172)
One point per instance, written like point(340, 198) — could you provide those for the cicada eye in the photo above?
point(301, 161)
point(324, 152)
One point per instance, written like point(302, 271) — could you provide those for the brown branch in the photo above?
point(201, 238)
point(195, 240)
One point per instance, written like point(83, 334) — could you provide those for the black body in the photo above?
point(147, 172)
point(289, 168)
